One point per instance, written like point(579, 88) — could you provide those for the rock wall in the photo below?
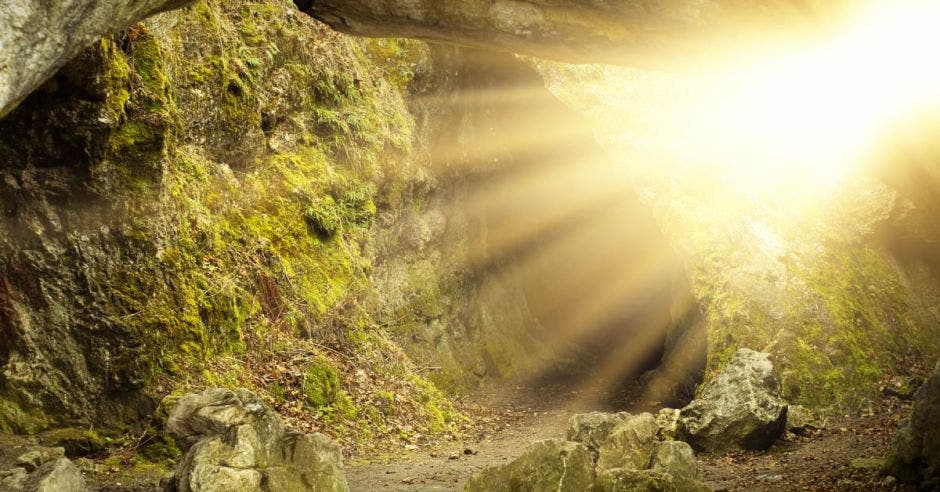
point(198, 188)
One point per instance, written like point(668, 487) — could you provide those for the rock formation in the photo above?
point(550, 465)
point(629, 444)
point(593, 429)
point(621, 31)
point(38, 38)
point(916, 446)
point(234, 442)
point(25, 467)
point(606, 452)
point(739, 408)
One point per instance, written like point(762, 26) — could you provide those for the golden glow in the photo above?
point(804, 115)
point(815, 112)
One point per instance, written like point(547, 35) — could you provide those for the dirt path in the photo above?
point(505, 426)
point(841, 458)
point(448, 466)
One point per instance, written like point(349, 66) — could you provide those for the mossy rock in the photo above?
point(321, 384)
point(76, 441)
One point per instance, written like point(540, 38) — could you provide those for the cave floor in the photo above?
point(502, 427)
point(820, 461)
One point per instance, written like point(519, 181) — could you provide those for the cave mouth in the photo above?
point(622, 327)
point(613, 322)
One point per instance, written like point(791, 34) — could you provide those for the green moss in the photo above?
point(439, 410)
point(76, 441)
point(842, 326)
point(16, 419)
point(161, 449)
point(237, 229)
point(150, 81)
point(398, 58)
point(321, 384)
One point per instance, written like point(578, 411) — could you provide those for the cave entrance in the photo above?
point(609, 296)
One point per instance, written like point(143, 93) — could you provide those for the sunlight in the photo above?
point(795, 120)
point(814, 113)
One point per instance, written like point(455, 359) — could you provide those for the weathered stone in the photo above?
point(55, 475)
point(916, 446)
point(59, 475)
point(38, 38)
point(739, 408)
point(26, 467)
point(550, 465)
point(34, 458)
point(630, 444)
point(624, 480)
point(667, 422)
point(675, 458)
point(574, 30)
point(234, 442)
point(802, 420)
point(592, 429)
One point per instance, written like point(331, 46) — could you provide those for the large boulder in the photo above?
point(630, 444)
point(38, 469)
point(916, 446)
point(552, 465)
point(234, 442)
point(592, 429)
point(739, 408)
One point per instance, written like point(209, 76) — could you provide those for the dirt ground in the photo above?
point(843, 457)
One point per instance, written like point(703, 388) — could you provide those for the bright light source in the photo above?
point(815, 112)
point(802, 115)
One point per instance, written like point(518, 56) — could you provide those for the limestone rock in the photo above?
point(550, 465)
point(802, 420)
point(234, 442)
point(40, 469)
point(592, 429)
point(667, 421)
point(740, 408)
point(624, 480)
point(916, 446)
point(675, 458)
point(630, 444)
point(38, 38)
